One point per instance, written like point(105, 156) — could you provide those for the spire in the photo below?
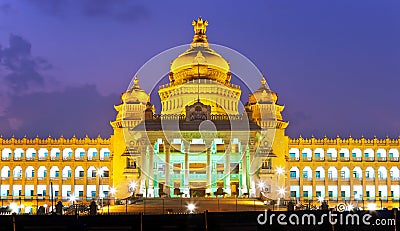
point(199, 27)
point(135, 83)
point(263, 81)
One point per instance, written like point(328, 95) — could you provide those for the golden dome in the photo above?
point(135, 94)
point(263, 94)
point(199, 56)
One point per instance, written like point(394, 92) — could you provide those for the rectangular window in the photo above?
point(293, 174)
point(80, 193)
point(355, 174)
point(56, 193)
point(330, 174)
point(106, 154)
point(379, 193)
point(341, 154)
point(68, 193)
point(329, 155)
point(342, 174)
point(292, 155)
point(106, 173)
point(391, 194)
point(82, 154)
point(318, 174)
point(343, 193)
point(57, 154)
point(330, 193)
point(368, 194)
point(305, 193)
point(317, 155)
point(267, 164)
point(378, 154)
point(366, 155)
point(93, 193)
point(57, 173)
point(81, 173)
point(305, 174)
point(353, 154)
point(44, 193)
point(293, 194)
point(318, 193)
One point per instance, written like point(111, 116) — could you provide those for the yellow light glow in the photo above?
point(280, 170)
point(371, 206)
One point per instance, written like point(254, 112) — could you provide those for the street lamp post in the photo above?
point(280, 191)
point(101, 172)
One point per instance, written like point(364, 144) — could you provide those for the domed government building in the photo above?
point(202, 144)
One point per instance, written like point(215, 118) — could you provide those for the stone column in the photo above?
point(150, 192)
point(326, 183)
point(351, 183)
point(339, 185)
point(301, 180)
point(227, 170)
point(85, 183)
point(389, 184)
point(143, 174)
point(252, 171)
point(208, 171)
point(364, 185)
point(167, 185)
point(376, 181)
point(244, 169)
point(186, 189)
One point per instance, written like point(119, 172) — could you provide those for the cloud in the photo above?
point(20, 70)
point(5, 8)
point(51, 7)
point(123, 10)
point(77, 110)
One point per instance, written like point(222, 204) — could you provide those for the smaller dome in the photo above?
point(263, 94)
point(135, 94)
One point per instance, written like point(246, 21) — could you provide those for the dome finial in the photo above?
point(200, 27)
point(135, 80)
point(263, 81)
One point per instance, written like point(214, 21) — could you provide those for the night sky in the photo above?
point(334, 64)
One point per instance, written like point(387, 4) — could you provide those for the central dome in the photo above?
point(202, 55)
point(199, 61)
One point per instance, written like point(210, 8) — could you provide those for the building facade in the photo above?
point(201, 145)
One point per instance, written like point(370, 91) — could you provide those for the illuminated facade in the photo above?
point(200, 145)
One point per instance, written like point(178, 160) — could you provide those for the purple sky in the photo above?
point(334, 64)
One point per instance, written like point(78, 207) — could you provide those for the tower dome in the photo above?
point(135, 94)
point(199, 60)
point(263, 94)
